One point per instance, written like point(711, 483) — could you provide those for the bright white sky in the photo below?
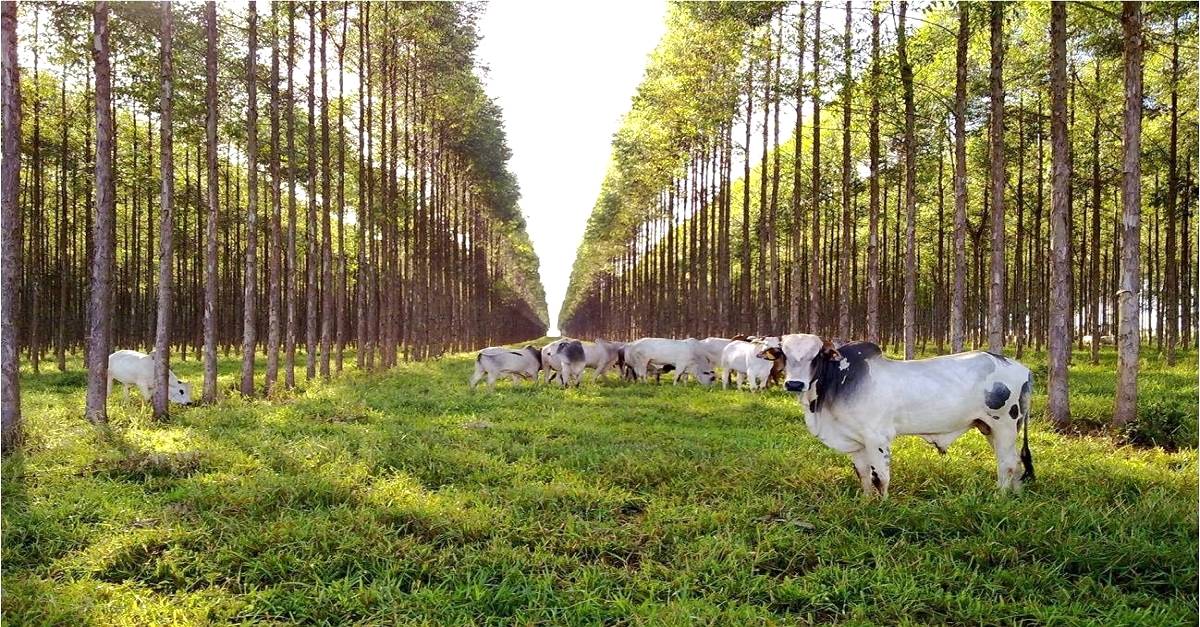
point(564, 74)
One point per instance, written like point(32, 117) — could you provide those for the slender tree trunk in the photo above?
point(291, 276)
point(312, 259)
point(275, 251)
point(1128, 336)
point(166, 221)
point(844, 300)
point(327, 292)
point(342, 271)
point(1094, 274)
point(958, 291)
point(251, 281)
point(797, 297)
point(100, 306)
point(814, 276)
point(910, 191)
point(998, 181)
point(1058, 336)
point(873, 229)
point(210, 251)
point(746, 319)
point(1171, 271)
point(11, 429)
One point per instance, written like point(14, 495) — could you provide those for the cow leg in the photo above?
point(477, 376)
point(872, 464)
point(737, 377)
point(725, 379)
point(491, 381)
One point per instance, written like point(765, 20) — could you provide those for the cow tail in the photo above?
point(1026, 455)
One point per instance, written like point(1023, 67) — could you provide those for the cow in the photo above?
point(136, 368)
point(627, 372)
point(602, 355)
point(683, 356)
point(497, 361)
point(857, 401)
point(1105, 340)
point(754, 359)
point(562, 364)
point(572, 360)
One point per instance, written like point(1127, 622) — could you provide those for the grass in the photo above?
point(404, 498)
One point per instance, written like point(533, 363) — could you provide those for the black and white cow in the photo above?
point(857, 401)
point(497, 361)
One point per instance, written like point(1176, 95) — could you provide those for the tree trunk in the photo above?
point(312, 260)
point(166, 221)
point(1094, 273)
point(844, 298)
point(998, 181)
point(873, 228)
point(796, 295)
point(100, 306)
point(327, 293)
point(11, 429)
point(274, 251)
point(814, 276)
point(1171, 291)
point(958, 291)
point(1058, 336)
point(291, 276)
point(210, 251)
point(910, 191)
point(250, 288)
point(1128, 336)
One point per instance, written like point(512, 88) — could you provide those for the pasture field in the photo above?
point(404, 498)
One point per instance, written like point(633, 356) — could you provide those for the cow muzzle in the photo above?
point(794, 386)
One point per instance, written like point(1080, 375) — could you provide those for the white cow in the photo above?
point(497, 361)
point(752, 359)
point(684, 356)
point(857, 401)
point(601, 355)
point(572, 360)
point(137, 368)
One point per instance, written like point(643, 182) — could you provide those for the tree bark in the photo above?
point(100, 305)
point(291, 276)
point(844, 299)
point(796, 296)
point(250, 285)
point(1058, 336)
point(910, 191)
point(958, 290)
point(166, 220)
point(1172, 269)
point(327, 293)
point(1128, 336)
point(873, 227)
point(998, 181)
point(11, 428)
point(814, 276)
point(210, 250)
point(274, 251)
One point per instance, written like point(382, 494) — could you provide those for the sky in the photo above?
point(564, 74)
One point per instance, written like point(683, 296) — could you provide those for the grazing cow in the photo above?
point(602, 355)
point(627, 372)
point(497, 361)
point(683, 356)
point(1105, 340)
point(857, 401)
point(754, 359)
point(136, 368)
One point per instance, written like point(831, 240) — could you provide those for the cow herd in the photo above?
point(855, 399)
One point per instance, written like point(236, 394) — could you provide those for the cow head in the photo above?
point(180, 392)
point(705, 374)
point(537, 354)
point(799, 351)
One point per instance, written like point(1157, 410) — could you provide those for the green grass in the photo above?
point(404, 498)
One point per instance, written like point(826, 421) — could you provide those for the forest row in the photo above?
point(905, 196)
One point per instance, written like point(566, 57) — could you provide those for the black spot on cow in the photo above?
point(837, 372)
point(536, 352)
point(1002, 358)
point(1026, 391)
point(996, 397)
point(572, 350)
point(1014, 412)
point(875, 480)
point(983, 427)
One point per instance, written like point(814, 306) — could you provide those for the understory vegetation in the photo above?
point(403, 497)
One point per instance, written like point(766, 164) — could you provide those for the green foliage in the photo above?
point(405, 498)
